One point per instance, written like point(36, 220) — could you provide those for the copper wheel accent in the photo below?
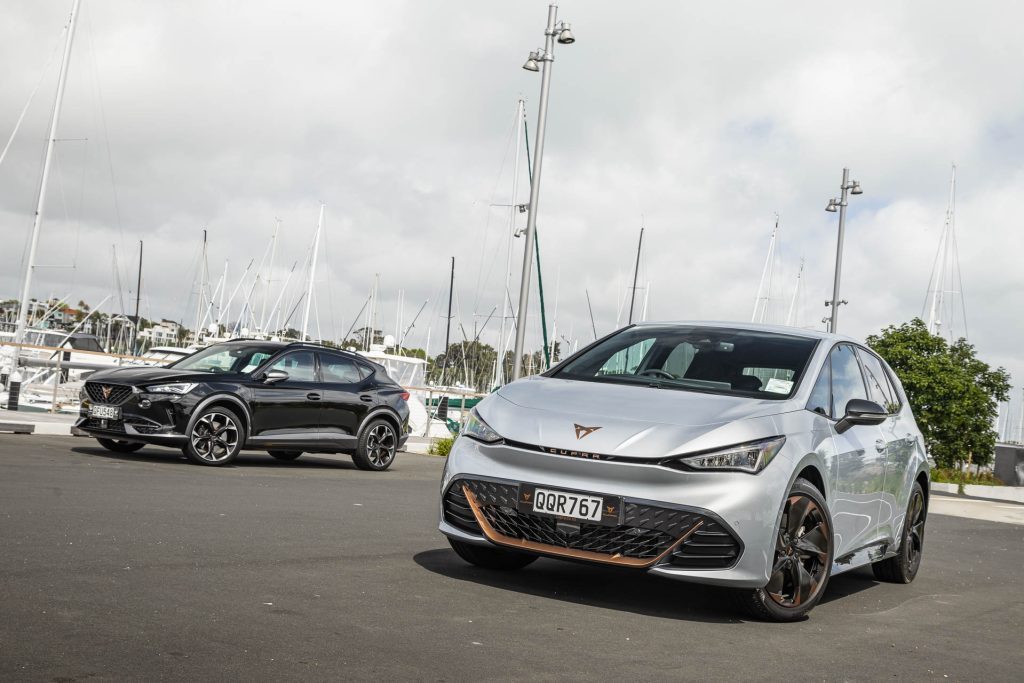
point(801, 553)
point(532, 546)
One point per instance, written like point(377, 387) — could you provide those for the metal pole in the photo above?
point(833, 322)
point(636, 270)
point(538, 159)
point(19, 335)
point(448, 327)
point(138, 297)
point(312, 273)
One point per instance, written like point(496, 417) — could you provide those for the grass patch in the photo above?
point(948, 475)
point(441, 446)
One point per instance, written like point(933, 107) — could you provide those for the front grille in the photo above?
point(710, 547)
point(104, 425)
point(118, 393)
point(646, 531)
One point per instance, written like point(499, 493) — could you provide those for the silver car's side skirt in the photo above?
point(879, 550)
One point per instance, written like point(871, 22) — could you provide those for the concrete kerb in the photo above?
point(999, 494)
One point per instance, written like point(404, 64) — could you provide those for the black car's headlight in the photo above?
point(747, 457)
point(180, 388)
point(477, 429)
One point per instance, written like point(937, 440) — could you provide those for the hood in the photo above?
point(153, 375)
point(632, 421)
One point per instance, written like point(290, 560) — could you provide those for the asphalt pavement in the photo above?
point(143, 566)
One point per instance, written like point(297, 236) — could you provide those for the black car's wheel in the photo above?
point(490, 558)
point(903, 567)
point(802, 562)
point(285, 455)
point(120, 446)
point(377, 446)
point(216, 437)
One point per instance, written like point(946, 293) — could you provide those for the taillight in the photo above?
point(405, 395)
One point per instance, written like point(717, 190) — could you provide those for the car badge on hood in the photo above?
point(582, 431)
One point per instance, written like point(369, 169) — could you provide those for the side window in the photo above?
point(847, 381)
point(821, 395)
point(300, 366)
point(879, 389)
point(338, 370)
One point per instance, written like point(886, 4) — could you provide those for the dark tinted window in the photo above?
point(696, 358)
point(847, 381)
point(300, 366)
point(879, 389)
point(338, 370)
point(821, 395)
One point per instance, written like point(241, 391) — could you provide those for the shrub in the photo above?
point(441, 446)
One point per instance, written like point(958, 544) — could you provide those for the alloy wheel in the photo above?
point(380, 445)
point(915, 537)
point(214, 436)
point(801, 553)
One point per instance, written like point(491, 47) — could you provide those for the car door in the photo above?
point(347, 397)
point(288, 411)
point(859, 469)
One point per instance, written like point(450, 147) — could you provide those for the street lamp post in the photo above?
point(851, 187)
point(539, 60)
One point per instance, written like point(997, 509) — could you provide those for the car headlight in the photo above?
point(748, 457)
point(477, 429)
point(179, 389)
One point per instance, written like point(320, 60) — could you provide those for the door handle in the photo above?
point(880, 446)
point(313, 396)
point(366, 398)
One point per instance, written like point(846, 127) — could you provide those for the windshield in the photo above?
point(234, 358)
point(691, 358)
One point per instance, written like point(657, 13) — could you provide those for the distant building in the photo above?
point(163, 333)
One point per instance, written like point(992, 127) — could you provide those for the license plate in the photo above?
point(570, 505)
point(105, 412)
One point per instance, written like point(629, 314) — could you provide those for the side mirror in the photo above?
point(861, 412)
point(274, 376)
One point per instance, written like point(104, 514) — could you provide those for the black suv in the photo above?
point(285, 398)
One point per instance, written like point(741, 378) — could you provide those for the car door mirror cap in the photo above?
point(860, 411)
point(274, 376)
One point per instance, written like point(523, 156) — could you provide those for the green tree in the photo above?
point(954, 395)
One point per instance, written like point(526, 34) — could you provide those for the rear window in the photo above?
point(696, 358)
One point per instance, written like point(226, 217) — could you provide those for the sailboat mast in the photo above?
point(499, 369)
point(267, 280)
point(51, 140)
point(138, 297)
point(636, 269)
point(448, 327)
point(312, 272)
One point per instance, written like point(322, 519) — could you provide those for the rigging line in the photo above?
point(42, 77)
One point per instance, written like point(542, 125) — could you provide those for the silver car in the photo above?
point(761, 458)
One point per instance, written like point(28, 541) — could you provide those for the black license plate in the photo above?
point(575, 506)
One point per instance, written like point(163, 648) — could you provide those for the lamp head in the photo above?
point(531, 62)
point(832, 206)
point(565, 36)
point(856, 188)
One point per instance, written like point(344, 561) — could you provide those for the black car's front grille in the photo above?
point(710, 547)
point(109, 394)
point(646, 531)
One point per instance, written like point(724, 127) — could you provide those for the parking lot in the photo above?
point(144, 566)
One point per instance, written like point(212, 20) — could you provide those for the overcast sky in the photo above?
point(700, 119)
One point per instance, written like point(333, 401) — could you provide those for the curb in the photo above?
point(996, 494)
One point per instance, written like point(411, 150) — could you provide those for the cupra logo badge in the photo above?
point(582, 431)
point(107, 390)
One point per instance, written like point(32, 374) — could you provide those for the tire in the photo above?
point(215, 437)
point(490, 558)
point(285, 455)
point(377, 446)
point(903, 567)
point(120, 446)
point(802, 561)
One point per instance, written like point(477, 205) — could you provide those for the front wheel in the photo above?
point(216, 437)
point(802, 560)
point(903, 567)
point(377, 446)
point(490, 558)
point(120, 446)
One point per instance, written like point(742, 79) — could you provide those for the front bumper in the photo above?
point(670, 518)
point(146, 417)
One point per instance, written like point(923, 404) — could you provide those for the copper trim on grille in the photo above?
point(522, 544)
